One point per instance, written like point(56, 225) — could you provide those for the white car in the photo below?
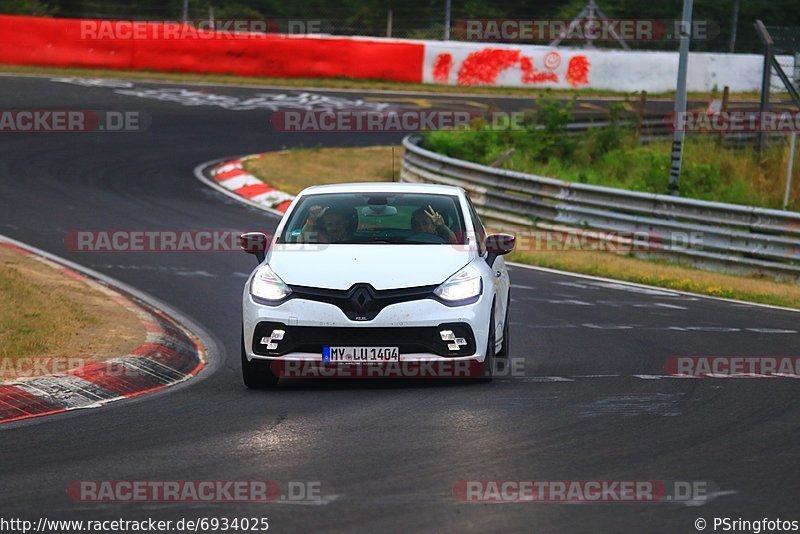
point(376, 275)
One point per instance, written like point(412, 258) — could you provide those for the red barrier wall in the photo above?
point(76, 43)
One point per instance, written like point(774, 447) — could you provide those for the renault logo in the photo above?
point(361, 298)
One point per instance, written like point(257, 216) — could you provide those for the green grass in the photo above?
point(709, 172)
point(612, 157)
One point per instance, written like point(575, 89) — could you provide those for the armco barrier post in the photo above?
point(680, 99)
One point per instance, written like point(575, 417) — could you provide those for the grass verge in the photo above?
point(294, 170)
point(333, 165)
point(45, 314)
point(667, 275)
point(612, 156)
point(347, 83)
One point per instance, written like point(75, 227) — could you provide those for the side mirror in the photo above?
point(255, 243)
point(497, 245)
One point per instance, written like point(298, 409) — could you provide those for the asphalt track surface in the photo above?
point(386, 454)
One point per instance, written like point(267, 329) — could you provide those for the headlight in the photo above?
point(267, 285)
point(465, 284)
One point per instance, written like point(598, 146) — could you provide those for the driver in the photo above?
point(329, 225)
point(429, 221)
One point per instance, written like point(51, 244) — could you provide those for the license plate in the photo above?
point(360, 354)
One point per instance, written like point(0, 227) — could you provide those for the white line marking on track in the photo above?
point(635, 289)
point(204, 274)
point(702, 500)
point(573, 378)
point(649, 377)
point(671, 306)
point(573, 284)
point(633, 284)
point(547, 379)
point(672, 328)
point(594, 376)
point(573, 302)
point(608, 326)
point(521, 286)
point(713, 329)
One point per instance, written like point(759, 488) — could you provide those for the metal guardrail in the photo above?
point(655, 129)
point(727, 236)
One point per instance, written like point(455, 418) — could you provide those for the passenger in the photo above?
point(430, 222)
point(329, 225)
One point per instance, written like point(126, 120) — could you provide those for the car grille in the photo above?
point(409, 340)
point(362, 302)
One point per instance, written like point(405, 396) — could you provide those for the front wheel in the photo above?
point(257, 374)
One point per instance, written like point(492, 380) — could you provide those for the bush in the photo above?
point(610, 156)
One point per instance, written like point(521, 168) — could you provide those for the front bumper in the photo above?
point(409, 340)
point(412, 326)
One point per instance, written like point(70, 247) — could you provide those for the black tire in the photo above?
point(487, 368)
point(504, 349)
point(257, 374)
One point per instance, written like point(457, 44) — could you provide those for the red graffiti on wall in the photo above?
point(441, 68)
point(531, 75)
point(578, 71)
point(483, 67)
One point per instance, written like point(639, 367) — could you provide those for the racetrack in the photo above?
point(593, 404)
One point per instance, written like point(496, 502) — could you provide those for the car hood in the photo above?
point(382, 266)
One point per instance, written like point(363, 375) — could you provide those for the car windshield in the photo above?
point(376, 218)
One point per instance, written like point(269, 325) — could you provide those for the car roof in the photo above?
point(382, 187)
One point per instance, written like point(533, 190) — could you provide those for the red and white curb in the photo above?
point(231, 176)
point(170, 354)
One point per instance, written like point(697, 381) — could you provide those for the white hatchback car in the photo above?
point(375, 275)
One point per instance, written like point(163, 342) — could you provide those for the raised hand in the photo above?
point(437, 218)
point(315, 212)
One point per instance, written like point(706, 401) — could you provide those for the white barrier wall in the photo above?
point(460, 63)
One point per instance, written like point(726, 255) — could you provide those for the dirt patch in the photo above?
point(50, 321)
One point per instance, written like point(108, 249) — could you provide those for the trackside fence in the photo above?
point(715, 235)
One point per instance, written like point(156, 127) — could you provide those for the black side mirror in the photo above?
point(498, 245)
point(255, 243)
